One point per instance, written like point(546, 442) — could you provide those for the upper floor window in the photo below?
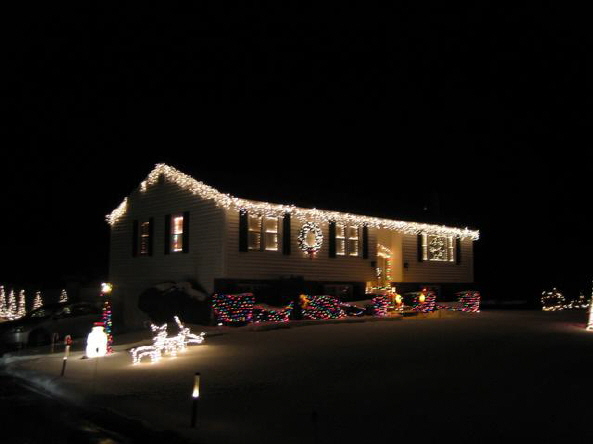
point(177, 233)
point(353, 241)
point(347, 240)
point(144, 238)
point(271, 233)
point(263, 233)
point(438, 248)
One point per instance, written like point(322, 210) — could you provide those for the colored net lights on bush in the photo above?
point(470, 301)
point(380, 305)
point(240, 309)
point(322, 307)
point(166, 345)
point(266, 315)
point(233, 308)
point(424, 301)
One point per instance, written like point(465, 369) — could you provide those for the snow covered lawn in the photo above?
point(482, 377)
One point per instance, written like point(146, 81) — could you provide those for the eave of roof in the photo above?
point(227, 201)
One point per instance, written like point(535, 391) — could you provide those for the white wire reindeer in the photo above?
point(153, 351)
point(185, 335)
point(163, 344)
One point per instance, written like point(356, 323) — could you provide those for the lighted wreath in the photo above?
point(438, 248)
point(310, 238)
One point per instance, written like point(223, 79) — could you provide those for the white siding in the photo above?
point(274, 265)
point(434, 271)
point(132, 275)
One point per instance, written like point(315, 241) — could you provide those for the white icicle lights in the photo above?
point(199, 189)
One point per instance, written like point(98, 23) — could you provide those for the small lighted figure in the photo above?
point(96, 343)
point(398, 300)
point(304, 301)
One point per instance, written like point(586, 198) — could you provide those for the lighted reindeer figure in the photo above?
point(185, 335)
point(163, 344)
point(155, 350)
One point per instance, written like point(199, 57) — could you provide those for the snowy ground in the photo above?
point(476, 377)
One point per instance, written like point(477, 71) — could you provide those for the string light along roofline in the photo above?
point(200, 189)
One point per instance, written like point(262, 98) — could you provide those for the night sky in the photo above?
point(472, 117)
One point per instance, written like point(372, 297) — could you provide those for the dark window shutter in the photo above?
point(365, 242)
point(457, 251)
point(420, 252)
point(150, 235)
point(167, 234)
point(286, 234)
point(332, 239)
point(185, 232)
point(135, 238)
point(243, 231)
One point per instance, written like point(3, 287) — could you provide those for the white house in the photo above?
point(175, 228)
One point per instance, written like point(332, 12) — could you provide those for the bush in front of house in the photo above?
point(163, 302)
point(233, 309)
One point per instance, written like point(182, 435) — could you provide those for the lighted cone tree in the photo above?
point(3, 306)
point(12, 307)
point(63, 296)
point(22, 308)
point(38, 302)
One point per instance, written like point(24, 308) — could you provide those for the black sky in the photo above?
point(383, 112)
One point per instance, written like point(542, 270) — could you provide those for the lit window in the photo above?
point(347, 240)
point(263, 233)
point(177, 233)
point(353, 241)
point(271, 234)
point(145, 238)
point(340, 240)
point(438, 248)
point(255, 232)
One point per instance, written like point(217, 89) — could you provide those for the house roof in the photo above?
point(227, 201)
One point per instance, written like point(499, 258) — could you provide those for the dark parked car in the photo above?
point(37, 327)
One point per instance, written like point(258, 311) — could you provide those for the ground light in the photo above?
point(195, 398)
point(590, 321)
point(68, 342)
